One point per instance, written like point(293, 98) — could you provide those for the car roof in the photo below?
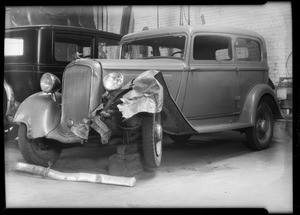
point(65, 27)
point(190, 29)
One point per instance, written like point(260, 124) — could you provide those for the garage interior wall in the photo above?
point(272, 20)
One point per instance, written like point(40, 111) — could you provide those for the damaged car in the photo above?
point(178, 81)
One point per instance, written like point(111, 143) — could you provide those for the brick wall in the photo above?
point(272, 20)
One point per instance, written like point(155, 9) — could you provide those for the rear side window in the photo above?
point(13, 46)
point(20, 45)
point(247, 50)
point(211, 47)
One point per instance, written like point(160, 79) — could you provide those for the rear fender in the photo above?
point(256, 94)
point(40, 113)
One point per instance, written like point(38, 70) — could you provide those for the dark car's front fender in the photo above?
point(40, 113)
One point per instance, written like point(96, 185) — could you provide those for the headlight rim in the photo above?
point(113, 86)
point(53, 81)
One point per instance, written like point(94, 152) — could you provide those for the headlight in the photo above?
point(113, 81)
point(50, 83)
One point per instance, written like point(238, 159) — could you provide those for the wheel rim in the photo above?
point(263, 126)
point(158, 138)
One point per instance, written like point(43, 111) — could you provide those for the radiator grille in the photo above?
point(76, 94)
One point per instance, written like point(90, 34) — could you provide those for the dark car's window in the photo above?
point(14, 46)
point(107, 48)
point(211, 47)
point(20, 46)
point(156, 47)
point(247, 50)
point(67, 45)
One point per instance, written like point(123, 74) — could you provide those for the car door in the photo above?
point(212, 79)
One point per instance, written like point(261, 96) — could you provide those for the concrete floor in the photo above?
point(212, 170)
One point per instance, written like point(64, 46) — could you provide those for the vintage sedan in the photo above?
point(177, 80)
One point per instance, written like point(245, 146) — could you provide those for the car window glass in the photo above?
point(247, 50)
point(211, 47)
point(107, 48)
point(68, 46)
point(155, 47)
point(13, 46)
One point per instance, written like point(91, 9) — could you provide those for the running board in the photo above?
point(218, 127)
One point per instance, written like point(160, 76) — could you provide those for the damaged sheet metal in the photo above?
point(102, 129)
point(82, 129)
point(146, 95)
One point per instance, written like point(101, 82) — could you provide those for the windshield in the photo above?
point(160, 47)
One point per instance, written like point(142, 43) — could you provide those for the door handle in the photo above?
point(237, 70)
point(194, 69)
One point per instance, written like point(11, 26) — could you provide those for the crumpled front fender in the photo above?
point(149, 93)
point(41, 114)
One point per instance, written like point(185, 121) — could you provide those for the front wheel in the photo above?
point(259, 136)
point(152, 139)
point(39, 151)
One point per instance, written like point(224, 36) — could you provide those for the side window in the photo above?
point(212, 47)
point(67, 45)
point(13, 46)
point(107, 48)
point(247, 50)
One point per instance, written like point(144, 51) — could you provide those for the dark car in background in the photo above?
point(31, 51)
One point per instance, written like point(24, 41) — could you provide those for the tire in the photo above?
point(5, 100)
point(39, 151)
point(12, 133)
point(180, 139)
point(260, 135)
point(152, 139)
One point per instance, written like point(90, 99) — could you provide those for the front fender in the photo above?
point(173, 121)
point(258, 92)
point(41, 114)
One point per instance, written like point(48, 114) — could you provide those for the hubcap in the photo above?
point(158, 139)
point(158, 148)
point(262, 126)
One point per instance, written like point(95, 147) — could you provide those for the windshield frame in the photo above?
point(136, 37)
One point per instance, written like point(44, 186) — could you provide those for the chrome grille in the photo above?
point(76, 94)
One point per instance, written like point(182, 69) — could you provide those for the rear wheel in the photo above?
point(260, 135)
point(39, 151)
point(152, 139)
